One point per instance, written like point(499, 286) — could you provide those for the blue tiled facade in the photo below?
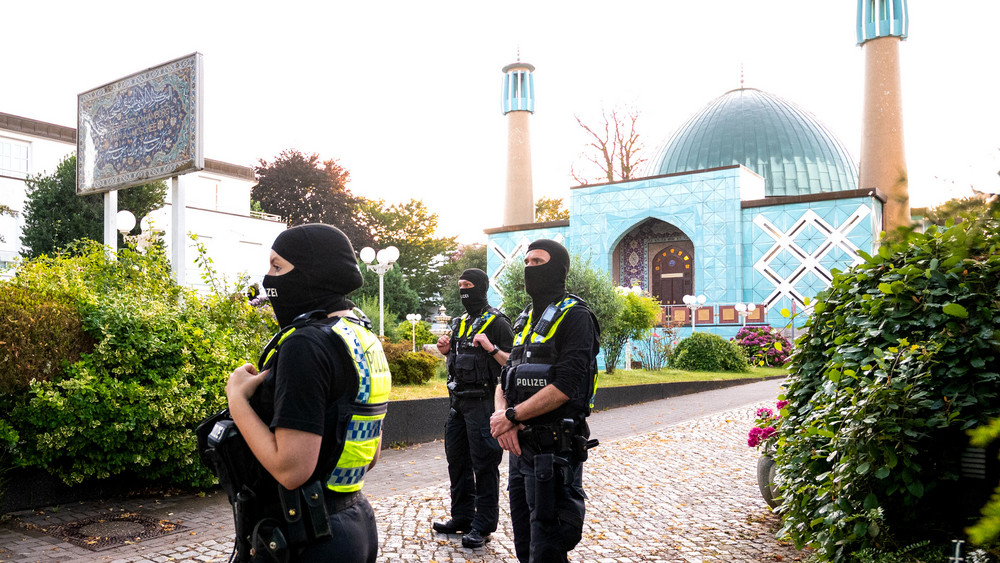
point(745, 248)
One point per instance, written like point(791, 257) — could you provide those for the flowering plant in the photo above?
point(763, 345)
point(763, 431)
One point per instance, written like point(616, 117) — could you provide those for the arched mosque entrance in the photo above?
point(658, 257)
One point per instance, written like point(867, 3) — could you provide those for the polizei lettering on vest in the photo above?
point(531, 382)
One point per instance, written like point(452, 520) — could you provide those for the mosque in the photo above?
point(751, 201)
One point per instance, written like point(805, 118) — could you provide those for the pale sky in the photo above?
point(406, 95)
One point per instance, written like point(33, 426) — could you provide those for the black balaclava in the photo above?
point(546, 283)
point(325, 271)
point(474, 298)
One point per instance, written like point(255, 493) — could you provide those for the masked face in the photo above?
point(473, 298)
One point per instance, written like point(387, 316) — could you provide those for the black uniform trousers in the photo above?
point(474, 457)
point(545, 541)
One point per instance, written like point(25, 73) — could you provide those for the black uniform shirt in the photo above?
point(311, 372)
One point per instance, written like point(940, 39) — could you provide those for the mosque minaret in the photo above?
point(518, 104)
point(882, 24)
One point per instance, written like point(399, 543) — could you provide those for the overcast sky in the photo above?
point(406, 95)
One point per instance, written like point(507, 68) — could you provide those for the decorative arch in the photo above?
point(658, 256)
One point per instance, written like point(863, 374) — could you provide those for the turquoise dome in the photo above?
point(786, 145)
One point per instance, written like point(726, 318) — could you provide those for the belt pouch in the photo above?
point(318, 520)
point(269, 542)
point(545, 487)
point(465, 368)
point(291, 509)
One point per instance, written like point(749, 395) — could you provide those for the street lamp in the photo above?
point(744, 311)
point(414, 319)
point(385, 258)
point(693, 303)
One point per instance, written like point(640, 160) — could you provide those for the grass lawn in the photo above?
point(436, 387)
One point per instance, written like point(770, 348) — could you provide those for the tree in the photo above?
point(301, 189)
point(613, 147)
point(468, 256)
point(634, 316)
point(961, 209)
point(398, 296)
point(410, 227)
point(550, 209)
point(54, 216)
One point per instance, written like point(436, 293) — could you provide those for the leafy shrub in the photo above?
point(763, 345)
point(635, 316)
point(901, 356)
point(414, 368)
point(654, 350)
point(423, 330)
point(704, 351)
point(41, 333)
point(158, 366)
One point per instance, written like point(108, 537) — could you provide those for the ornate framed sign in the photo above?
point(143, 127)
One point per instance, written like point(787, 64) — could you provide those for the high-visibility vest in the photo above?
point(536, 349)
point(360, 441)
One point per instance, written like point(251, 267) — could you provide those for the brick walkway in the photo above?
point(673, 480)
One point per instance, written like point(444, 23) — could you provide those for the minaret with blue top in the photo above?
point(518, 99)
point(882, 24)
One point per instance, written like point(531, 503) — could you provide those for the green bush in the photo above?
point(158, 366)
point(704, 351)
point(902, 355)
point(635, 317)
point(414, 368)
point(423, 330)
point(42, 332)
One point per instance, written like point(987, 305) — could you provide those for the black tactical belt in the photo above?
point(338, 502)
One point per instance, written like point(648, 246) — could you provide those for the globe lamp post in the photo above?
point(693, 303)
point(744, 311)
point(414, 319)
point(380, 262)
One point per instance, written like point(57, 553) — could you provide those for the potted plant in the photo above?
point(762, 436)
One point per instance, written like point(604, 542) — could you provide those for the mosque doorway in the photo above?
point(670, 274)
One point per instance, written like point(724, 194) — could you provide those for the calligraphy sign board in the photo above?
point(144, 127)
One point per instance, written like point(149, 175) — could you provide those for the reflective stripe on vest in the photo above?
point(564, 306)
point(486, 318)
point(368, 408)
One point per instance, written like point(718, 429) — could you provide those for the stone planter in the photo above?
point(766, 470)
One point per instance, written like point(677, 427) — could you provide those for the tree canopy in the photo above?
point(410, 227)
point(302, 189)
point(54, 216)
point(550, 209)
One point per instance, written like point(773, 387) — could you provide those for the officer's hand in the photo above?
point(509, 441)
point(483, 342)
point(444, 344)
point(243, 382)
point(499, 424)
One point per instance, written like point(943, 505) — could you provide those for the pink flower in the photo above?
point(782, 404)
point(765, 412)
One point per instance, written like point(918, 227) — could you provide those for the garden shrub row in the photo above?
point(123, 396)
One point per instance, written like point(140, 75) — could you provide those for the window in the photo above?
point(13, 158)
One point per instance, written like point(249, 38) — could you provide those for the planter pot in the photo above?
point(766, 470)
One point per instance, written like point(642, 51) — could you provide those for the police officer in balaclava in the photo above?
point(291, 408)
point(477, 347)
point(546, 392)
